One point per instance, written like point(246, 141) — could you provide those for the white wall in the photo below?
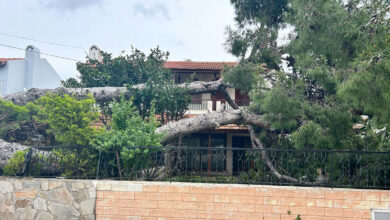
point(31, 72)
point(3, 79)
point(44, 76)
point(16, 76)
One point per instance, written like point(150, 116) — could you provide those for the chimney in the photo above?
point(31, 58)
point(95, 53)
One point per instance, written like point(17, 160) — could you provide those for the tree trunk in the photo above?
point(105, 93)
point(208, 121)
point(118, 163)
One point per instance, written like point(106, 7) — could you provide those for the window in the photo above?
point(380, 214)
point(207, 159)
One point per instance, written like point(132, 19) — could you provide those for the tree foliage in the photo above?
point(339, 54)
point(123, 70)
point(70, 120)
point(125, 133)
point(12, 116)
point(127, 128)
point(136, 68)
point(17, 123)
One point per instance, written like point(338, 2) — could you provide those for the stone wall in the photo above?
point(60, 199)
point(47, 199)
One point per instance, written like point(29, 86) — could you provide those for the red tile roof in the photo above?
point(7, 59)
point(191, 65)
point(3, 61)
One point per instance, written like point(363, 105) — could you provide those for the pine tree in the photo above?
point(339, 54)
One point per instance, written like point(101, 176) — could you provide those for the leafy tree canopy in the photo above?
point(126, 70)
point(339, 55)
point(70, 120)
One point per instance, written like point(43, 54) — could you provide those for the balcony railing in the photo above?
point(212, 105)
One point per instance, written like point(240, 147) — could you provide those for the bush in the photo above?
point(12, 117)
point(15, 164)
point(70, 120)
point(128, 129)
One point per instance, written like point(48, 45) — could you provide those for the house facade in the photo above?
point(21, 74)
point(226, 136)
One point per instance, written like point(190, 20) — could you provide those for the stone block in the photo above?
point(18, 185)
point(76, 205)
point(77, 185)
point(25, 214)
point(44, 216)
point(54, 184)
point(7, 215)
point(87, 207)
point(6, 207)
point(40, 204)
point(43, 194)
point(45, 185)
point(134, 187)
point(88, 217)
point(81, 195)
point(88, 184)
point(60, 195)
point(27, 184)
point(119, 187)
point(6, 187)
point(23, 203)
point(62, 210)
point(92, 192)
point(103, 186)
point(26, 194)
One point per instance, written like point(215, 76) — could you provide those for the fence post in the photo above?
point(98, 167)
point(26, 167)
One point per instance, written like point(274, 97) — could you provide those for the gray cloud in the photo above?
point(150, 11)
point(70, 5)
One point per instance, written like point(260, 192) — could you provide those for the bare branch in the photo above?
point(105, 93)
point(257, 143)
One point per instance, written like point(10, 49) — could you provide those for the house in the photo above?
point(226, 136)
point(223, 137)
point(21, 74)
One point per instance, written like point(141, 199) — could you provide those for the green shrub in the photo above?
point(11, 117)
point(15, 164)
point(70, 120)
point(128, 129)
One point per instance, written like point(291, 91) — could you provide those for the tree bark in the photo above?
point(208, 121)
point(105, 93)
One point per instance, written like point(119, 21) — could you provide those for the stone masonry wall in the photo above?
point(46, 199)
point(122, 200)
point(60, 199)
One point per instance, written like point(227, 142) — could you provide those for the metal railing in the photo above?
point(209, 104)
point(354, 169)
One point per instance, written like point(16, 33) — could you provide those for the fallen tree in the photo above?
point(106, 93)
point(172, 130)
point(208, 121)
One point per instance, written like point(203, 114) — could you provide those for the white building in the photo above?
point(21, 74)
point(95, 53)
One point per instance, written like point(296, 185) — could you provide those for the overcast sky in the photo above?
point(188, 29)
